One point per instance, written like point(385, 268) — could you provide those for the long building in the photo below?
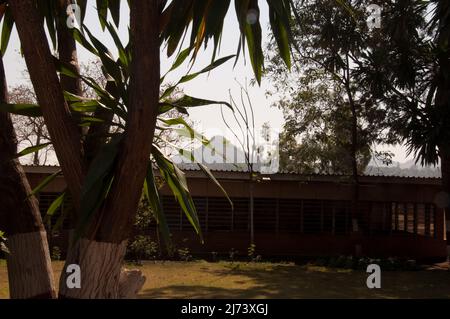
point(297, 215)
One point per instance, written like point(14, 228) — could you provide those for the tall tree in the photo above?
point(326, 99)
point(407, 67)
point(67, 49)
point(28, 260)
point(107, 237)
point(103, 239)
point(316, 136)
point(30, 131)
point(62, 127)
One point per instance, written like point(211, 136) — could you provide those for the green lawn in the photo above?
point(201, 279)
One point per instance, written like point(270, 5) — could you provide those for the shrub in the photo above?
point(143, 248)
point(56, 253)
point(184, 254)
point(3, 247)
point(251, 250)
point(232, 254)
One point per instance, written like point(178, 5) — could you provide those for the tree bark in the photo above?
point(252, 211)
point(107, 236)
point(29, 266)
point(97, 134)
point(61, 126)
point(67, 50)
point(130, 283)
point(445, 168)
point(117, 215)
point(442, 100)
point(38, 142)
point(354, 160)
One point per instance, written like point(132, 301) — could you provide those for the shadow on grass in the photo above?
point(302, 282)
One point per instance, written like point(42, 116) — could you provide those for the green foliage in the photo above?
point(33, 149)
point(205, 19)
point(141, 245)
point(3, 246)
point(176, 181)
point(143, 248)
point(8, 23)
point(251, 253)
point(325, 108)
point(251, 250)
point(184, 254)
point(406, 69)
point(145, 215)
point(56, 253)
point(45, 183)
point(100, 174)
point(32, 110)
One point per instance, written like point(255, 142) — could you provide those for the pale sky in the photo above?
point(214, 86)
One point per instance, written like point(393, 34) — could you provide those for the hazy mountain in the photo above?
point(222, 155)
point(407, 169)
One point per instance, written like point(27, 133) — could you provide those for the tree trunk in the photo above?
point(108, 233)
point(38, 142)
point(130, 283)
point(97, 135)
point(354, 159)
point(64, 133)
point(252, 213)
point(67, 50)
point(445, 168)
point(61, 126)
point(67, 53)
point(442, 100)
point(29, 267)
point(355, 174)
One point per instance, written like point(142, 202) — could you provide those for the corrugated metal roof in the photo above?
point(232, 168)
point(243, 169)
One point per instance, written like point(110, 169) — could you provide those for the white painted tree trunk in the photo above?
point(131, 282)
point(28, 259)
point(100, 265)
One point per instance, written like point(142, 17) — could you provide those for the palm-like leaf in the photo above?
point(101, 172)
point(206, 18)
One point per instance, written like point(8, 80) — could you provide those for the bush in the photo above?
point(233, 253)
point(3, 247)
point(184, 254)
point(143, 248)
point(251, 250)
point(56, 253)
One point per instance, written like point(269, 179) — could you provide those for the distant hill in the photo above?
point(220, 150)
point(407, 169)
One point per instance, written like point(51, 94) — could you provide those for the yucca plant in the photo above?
point(106, 191)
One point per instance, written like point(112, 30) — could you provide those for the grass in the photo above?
point(3, 280)
point(201, 279)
